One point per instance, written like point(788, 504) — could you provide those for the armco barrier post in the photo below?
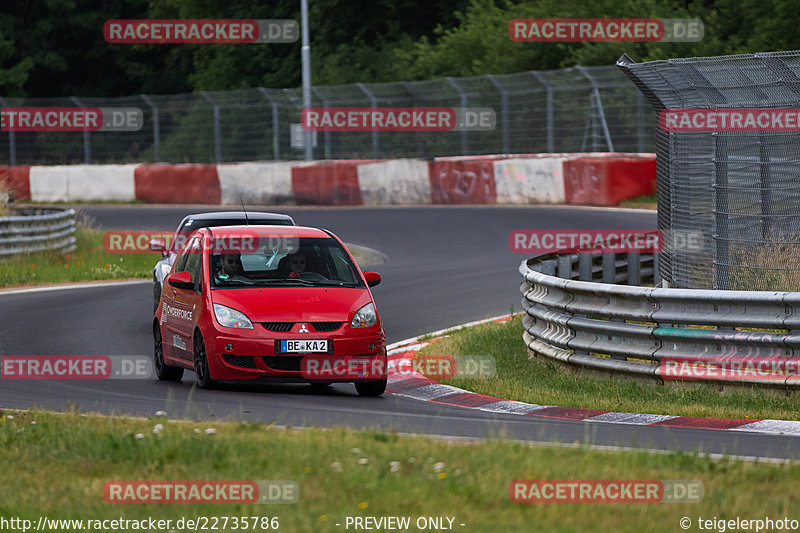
point(585, 267)
point(565, 267)
point(608, 267)
point(634, 274)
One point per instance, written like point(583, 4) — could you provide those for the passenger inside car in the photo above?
point(291, 266)
point(297, 264)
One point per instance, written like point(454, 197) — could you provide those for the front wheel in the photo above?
point(163, 372)
point(371, 388)
point(201, 369)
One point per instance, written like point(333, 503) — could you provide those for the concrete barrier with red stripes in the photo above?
point(17, 178)
point(607, 180)
point(593, 178)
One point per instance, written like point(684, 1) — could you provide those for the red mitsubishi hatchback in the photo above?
point(269, 304)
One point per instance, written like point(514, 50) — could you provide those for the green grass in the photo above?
point(643, 202)
point(89, 261)
point(544, 382)
point(58, 468)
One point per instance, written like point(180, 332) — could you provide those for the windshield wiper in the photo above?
point(287, 280)
point(227, 282)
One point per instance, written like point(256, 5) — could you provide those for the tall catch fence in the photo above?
point(577, 109)
point(740, 189)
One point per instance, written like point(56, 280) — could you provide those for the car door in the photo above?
point(185, 303)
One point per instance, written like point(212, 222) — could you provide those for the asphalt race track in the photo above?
point(444, 266)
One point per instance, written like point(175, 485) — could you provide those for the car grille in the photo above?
point(284, 327)
point(278, 326)
point(327, 326)
point(242, 361)
point(283, 362)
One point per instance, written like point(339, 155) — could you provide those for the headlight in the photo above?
point(365, 317)
point(231, 318)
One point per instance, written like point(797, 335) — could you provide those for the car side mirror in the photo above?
point(373, 278)
point(158, 245)
point(181, 280)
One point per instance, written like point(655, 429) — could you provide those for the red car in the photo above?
point(272, 304)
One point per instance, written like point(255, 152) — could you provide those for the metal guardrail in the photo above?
point(37, 230)
point(579, 311)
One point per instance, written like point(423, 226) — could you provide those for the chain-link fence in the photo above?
point(741, 189)
point(568, 110)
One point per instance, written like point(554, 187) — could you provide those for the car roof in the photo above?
point(266, 231)
point(239, 215)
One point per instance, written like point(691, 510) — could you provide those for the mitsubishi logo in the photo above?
point(303, 329)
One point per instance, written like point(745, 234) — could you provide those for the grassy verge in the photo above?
point(641, 202)
point(89, 261)
point(545, 383)
point(58, 468)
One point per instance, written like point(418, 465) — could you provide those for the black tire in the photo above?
point(163, 371)
point(204, 380)
point(371, 388)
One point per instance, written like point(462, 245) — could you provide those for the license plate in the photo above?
point(304, 346)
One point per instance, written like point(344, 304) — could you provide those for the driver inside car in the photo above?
point(231, 268)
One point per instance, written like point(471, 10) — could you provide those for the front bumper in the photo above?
point(233, 357)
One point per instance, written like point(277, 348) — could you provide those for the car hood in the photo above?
point(294, 304)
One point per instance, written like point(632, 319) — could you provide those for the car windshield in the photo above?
point(312, 262)
point(193, 224)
